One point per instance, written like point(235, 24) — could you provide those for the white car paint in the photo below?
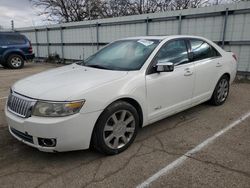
point(159, 95)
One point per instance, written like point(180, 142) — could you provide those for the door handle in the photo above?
point(218, 64)
point(188, 72)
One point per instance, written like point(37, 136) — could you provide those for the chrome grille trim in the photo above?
point(20, 105)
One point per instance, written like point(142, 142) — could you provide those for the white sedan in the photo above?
point(128, 84)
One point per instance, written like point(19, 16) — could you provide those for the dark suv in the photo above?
point(14, 50)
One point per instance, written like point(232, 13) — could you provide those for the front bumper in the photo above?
point(71, 132)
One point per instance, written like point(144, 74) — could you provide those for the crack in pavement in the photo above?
point(25, 171)
point(176, 125)
point(65, 171)
point(116, 171)
point(246, 174)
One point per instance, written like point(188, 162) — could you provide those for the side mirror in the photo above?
point(164, 66)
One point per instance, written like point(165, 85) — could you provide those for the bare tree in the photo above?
point(78, 10)
point(69, 10)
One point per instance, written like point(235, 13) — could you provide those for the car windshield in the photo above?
point(122, 55)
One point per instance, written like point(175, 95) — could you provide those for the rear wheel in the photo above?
point(15, 61)
point(116, 128)
point(221, 91)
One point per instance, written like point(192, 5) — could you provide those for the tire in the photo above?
point(116, 128)
point(221, 91)
point(15, 61)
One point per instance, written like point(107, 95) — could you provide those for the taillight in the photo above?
point(235, 57)
point(30, 47)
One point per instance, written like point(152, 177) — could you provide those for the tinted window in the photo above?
point(174, 51)
point(202, 50)
point(13, 39)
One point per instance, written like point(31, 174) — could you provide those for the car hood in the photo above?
point(65, 83)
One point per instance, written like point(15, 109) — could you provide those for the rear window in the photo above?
point(8, 39)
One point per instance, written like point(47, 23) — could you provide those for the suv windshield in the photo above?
point(123, 55)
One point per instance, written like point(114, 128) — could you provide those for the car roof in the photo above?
point(159, 37)
point(9, 32)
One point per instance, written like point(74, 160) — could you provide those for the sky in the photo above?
point(21, 11)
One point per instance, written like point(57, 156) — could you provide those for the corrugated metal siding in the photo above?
point(54, 36)
point(79, 35)
point(163, 28)
point(41, 37)
point(43, 51)
point(77, 52)
point(78, 38)
point(210, 27)
point(238, 27)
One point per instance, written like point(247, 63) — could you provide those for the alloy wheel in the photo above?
point(222, 91)
point(119, 129)
point(16, 62)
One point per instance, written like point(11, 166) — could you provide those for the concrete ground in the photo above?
point(224, 163)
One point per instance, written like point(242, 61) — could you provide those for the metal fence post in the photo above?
point(147, 26)
point(97, 35)
point(62, 48)
point(37, 47)
point(47, 36)
point(224, 28)
point(179, 24)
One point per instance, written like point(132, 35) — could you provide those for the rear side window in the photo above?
point(13, 39)
point(202, 50)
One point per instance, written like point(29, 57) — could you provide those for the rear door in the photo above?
point(3, 45)
point(207, 64)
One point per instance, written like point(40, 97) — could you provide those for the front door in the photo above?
point(170, 92)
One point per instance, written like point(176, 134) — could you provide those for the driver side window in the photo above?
point(174, 52)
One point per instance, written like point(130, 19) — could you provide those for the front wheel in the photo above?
point(116, 128)
point(221, 91)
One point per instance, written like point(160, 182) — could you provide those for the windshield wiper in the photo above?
point(97, 66)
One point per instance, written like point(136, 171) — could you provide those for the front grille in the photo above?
point(20, 105)
point(26, 137)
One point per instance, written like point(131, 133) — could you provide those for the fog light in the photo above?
point(47, 142)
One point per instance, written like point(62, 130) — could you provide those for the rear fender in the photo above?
point(9, 52)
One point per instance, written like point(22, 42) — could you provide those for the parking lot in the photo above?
point(224, 161)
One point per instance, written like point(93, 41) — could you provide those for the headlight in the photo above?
point(57, 109)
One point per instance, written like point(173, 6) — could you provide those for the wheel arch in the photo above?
point(9, 53)
point(226, 74)
point(135, 104)
point(129, 100)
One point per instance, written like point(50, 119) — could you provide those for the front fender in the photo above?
point(129, 87)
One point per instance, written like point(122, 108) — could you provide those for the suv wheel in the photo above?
point(15, 61)
point(116, 128)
